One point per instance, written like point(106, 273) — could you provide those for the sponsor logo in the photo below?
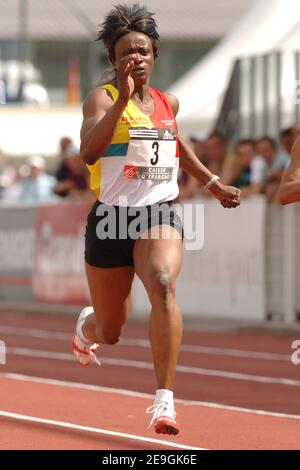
point(168, 135)
point(130, 172)
point(125, 120)
point(143, 133)
point(168, 122)
point(134, 121)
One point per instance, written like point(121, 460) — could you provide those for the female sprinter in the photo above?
point(130, 143)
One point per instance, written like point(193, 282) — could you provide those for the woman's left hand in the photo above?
point(229, 196)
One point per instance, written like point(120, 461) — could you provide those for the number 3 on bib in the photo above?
point(147, 148)
point(155, 147)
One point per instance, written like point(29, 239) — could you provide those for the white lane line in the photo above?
point(131, 393)
point(148, 365)
point(213, 350)
point(104, 432)
point(56, 335)
point(34, 333)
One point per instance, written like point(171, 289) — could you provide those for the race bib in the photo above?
point(151, 154)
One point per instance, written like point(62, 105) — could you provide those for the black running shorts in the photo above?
point(112, 231)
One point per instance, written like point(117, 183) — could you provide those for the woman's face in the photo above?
point(139, 48)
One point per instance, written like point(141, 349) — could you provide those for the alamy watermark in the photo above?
point(156, 222)
point(2, 353)
point(295, 358)
point(2, 92)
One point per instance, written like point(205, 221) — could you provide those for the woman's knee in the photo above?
point(162, 288)
point(110, 337)
point(107, 334)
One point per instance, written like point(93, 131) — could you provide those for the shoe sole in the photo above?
point(165, 426)
point(74, 347)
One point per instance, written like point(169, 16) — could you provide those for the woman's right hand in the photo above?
point(229, 196)
point(124, 79)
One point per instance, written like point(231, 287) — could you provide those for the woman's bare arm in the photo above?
point(101, 115)
point(227, 195)
point(289, 190)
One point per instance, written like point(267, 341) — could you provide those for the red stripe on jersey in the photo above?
point(163, 115)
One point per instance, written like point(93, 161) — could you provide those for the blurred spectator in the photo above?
point(63, 172)
point(245, 150)
point(35, 185)
point(216, 147)
point(75, 184)
point(286, 139)
point(255, 167)
point(198, 142)
point(276, 158)
point(188, 185)
point(220, 161)
point(267, 168)
point(214, 154)
point(8, 178)
point(295, 132)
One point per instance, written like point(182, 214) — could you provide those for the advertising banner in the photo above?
point(226, 277)
point(59, 275)
point(17, 247)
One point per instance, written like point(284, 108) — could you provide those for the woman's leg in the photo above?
point(110, 294)
point(157, 262)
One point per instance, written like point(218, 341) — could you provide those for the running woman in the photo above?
point(130, 143)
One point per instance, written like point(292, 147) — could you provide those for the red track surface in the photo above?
point(258, 382)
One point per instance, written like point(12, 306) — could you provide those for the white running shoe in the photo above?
point(164, 418)
point(83, 351)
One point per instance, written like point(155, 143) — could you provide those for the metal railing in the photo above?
point(261, 97)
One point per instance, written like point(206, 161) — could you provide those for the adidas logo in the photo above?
point(168, 135)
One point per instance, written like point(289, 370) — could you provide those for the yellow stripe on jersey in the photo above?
point(95, 176)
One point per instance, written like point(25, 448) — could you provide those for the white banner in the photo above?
point(226, 278)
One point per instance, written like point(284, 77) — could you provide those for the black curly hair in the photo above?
point(123, 19)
